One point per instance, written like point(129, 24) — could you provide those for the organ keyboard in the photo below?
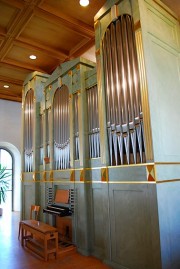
point(57, 210)
point(61, 206)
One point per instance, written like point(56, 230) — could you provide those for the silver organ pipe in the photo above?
point(76, 127)
point(28, 130)
point(47, 132)
point(123, 98)
point(93, 122)
point(41, 139)
point(61, 128)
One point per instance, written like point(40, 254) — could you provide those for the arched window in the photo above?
point(6, 160)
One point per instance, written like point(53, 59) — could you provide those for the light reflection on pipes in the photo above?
point(28, 130)
point(124, 112)
point(93, 122)
point(61, 128)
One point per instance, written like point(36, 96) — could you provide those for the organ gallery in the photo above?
point(105, 134)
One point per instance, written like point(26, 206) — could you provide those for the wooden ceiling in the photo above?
point(53, 30)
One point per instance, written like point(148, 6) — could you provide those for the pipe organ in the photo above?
point(61, 128)
point(28, 130)
point(93, 122)
point(47, 132)
point(104, 130)
point(41, 140)
point(123, 98)
point(76, 127)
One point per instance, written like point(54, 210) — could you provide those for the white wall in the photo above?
point(10, 138)
point(10, 123)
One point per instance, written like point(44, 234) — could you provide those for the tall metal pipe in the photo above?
point(61, 128)
point(124, 112)
point(93, 122)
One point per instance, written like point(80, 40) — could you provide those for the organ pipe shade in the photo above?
point(122, 89)
point(61, 128)
point(28, 130)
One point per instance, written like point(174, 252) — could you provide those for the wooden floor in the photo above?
point(13, 256)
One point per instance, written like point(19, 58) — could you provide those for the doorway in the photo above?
point(6, 160)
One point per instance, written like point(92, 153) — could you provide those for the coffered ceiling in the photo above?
point(53, 30)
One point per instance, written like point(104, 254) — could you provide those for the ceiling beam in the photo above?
point(79, 47)
point(29, 44)
point(74, 25)
point(11, 80)
point(16, 68)
point(79, 51)
point(15, 3)
point(19, 23)
point(10, 98)
point(15, 64)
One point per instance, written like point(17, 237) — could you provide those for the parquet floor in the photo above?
point(13, 256)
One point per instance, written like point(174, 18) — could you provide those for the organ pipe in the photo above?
point(122, 89)
point(41, 139)
point(76, 127)
point(28, 130)
point(93, 122)
point(61, 128)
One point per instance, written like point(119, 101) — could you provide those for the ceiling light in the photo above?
point(32, 57)
point(6, 86)
point(84, 3)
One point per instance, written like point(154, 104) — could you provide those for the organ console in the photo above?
point(62, 209)
point(57, 210)
point(61, 206)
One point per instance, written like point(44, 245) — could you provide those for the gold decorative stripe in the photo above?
point(70, 72)
point(114, 12)
point(167, 163)
point(167, 181)
point(82, 175)
point(137, 25)
point(72, 175)
point(97, 52)
point(151, 172)
point(44, 176)
point(51, 175)
point(28, 173)
point(130, 165)
point(104, 174)
point(101, 167)
point(132, 182)
point(94, 168)
point(32, 181)
point(100, 181)
point(144, 97)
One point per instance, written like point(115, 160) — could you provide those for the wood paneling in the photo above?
point(54, 31)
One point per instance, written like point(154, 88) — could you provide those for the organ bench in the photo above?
point(43, 238)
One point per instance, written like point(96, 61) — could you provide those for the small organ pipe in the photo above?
point(93, 122)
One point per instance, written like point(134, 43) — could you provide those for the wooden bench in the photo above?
point(39, 237)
